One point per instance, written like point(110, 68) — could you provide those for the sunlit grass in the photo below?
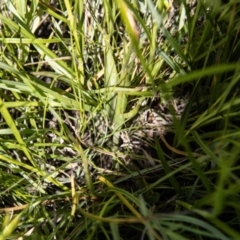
point(101, 61)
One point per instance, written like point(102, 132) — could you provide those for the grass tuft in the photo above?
point(119, 119)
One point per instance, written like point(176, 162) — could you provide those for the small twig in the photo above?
point(176, 150)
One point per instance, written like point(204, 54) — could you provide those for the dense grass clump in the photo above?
point(119, 119)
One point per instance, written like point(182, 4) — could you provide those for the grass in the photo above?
point(70, 95)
